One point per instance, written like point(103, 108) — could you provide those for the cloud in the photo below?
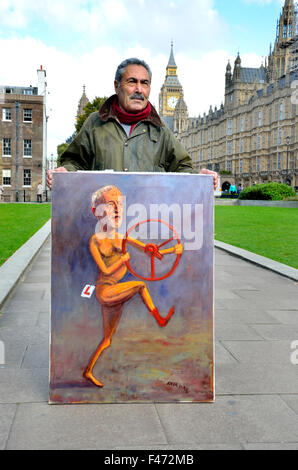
point(121, 23)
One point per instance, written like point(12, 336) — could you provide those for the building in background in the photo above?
point(52, 162)
point(252, 137)
point(170, 93)
point(82, 103)
point(23, 139)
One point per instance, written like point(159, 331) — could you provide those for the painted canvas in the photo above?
point(132, 288)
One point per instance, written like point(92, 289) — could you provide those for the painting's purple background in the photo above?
point(76, 327)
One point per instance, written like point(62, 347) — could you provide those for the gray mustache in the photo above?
point(137, 96)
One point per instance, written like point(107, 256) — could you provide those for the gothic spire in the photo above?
point(172, 62)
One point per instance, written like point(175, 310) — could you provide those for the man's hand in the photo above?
point(61, 169)
point(213, 173)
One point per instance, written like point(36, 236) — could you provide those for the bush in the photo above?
point(267, 192)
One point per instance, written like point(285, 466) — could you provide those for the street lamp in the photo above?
point(288, 143)
point(17, 108)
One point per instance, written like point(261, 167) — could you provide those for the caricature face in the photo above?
point(111, 211)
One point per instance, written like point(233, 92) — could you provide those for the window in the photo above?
point(6, 177)
point(268, 164)
point(6, 147)
point(27, 115)
point(241, 145)
point(285, 31)
point(279, 161)
point(242, 123)
point(241, 166)
point(229, 165)
point(259, 142)
point(229, 148)
point(27, 148)
point(281, 107)
point(279, 136)
point(27, 178)
point(258, 164)
point(229, 131)
point(212, 133)
point(27, 92)
point(6, 114)
point(260, 118)
point(290, 30)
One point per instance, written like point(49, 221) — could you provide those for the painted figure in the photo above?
point(109, 253)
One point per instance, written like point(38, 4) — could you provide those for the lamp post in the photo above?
point(17, 108)
point(288, 143)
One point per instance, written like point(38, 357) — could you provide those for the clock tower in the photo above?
point(171, 90)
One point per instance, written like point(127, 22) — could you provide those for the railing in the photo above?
point(25, 196)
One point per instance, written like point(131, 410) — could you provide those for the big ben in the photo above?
point(171, 90)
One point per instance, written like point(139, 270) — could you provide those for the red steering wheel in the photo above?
point(152, 250)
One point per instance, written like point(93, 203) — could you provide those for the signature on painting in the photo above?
point(179, 386)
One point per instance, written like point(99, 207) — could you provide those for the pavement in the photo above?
point(256, 405)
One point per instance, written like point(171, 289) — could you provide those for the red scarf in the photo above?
point(129, 118)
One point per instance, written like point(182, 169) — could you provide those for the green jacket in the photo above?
point(102, 144)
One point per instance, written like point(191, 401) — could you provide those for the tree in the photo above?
point(60, 149)
point(91, 107)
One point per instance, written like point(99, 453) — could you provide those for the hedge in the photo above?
point(267, 192)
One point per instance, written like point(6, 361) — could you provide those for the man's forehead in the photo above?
point(113, 194)
point(136, 71)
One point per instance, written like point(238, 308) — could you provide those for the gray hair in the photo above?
point(98, 196)
point(133, 61)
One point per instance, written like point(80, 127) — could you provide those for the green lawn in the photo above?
point(18, 222)
point(267, 231)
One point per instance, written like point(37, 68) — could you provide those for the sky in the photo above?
point(81, 42)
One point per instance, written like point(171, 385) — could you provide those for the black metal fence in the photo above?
point(26, 196)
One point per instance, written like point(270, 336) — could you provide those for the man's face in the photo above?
point(134, 89)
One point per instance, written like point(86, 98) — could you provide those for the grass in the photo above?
point(18, 222)
point(268, 231)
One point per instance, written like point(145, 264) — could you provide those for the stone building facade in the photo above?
point(253, 136)
point(23, 140)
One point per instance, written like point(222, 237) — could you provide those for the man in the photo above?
point(39, 191)
point(127, 134)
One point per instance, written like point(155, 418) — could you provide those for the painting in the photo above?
point(132, 288)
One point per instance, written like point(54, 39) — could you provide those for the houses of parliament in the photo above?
point(253, 136)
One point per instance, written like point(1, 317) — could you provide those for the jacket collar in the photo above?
point(106, 112)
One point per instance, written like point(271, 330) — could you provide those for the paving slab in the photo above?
point(256, 379)
point(234, 419)
point(85, 427)
point(7, 413)
point(260, 352)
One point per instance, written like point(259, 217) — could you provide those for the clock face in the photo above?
point(172, 101)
